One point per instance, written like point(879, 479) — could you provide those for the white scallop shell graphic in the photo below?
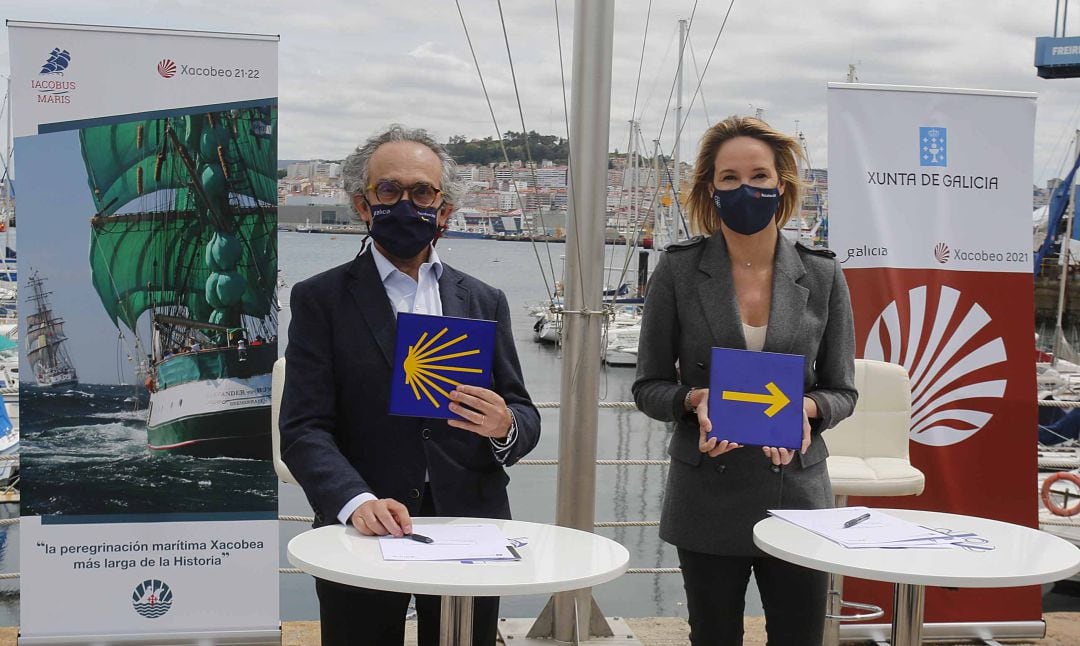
point(945, 401)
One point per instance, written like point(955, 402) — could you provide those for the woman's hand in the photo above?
point(779, 455)
point(699, 403)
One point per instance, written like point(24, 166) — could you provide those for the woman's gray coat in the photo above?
point(712, 504)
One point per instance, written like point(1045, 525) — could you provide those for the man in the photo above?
point(357, 464)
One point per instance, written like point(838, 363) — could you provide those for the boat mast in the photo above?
point(676, 207)
point(1066, 248)
point(573, 615)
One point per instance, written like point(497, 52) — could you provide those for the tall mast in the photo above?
point(1066, 248)
point(676, 179)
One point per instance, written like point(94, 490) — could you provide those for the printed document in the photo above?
point(474, 542)
point(859, 527)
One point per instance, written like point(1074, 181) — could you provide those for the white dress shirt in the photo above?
point(419, 297)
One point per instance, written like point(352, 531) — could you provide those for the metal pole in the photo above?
point(1065, 18)
point(455, 621)
point(676, 179)
point(1057, 8)
point(908, 603)
point(657, 212)
point(1066, 243)
point(590, 112)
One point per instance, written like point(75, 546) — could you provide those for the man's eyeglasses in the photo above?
point(388, 192)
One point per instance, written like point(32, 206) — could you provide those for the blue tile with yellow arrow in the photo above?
point(755, 398)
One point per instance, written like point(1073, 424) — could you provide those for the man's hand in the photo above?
point(381, 517)
point(483, 411)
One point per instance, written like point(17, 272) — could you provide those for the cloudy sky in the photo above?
point(349, 67)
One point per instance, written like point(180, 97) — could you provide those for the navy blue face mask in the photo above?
point(746, 209)
point(403, 229)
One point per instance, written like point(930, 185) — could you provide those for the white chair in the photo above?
point(868, 456)
point(277, 386)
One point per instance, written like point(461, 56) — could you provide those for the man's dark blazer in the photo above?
point(336, 435)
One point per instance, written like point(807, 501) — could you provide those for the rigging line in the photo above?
point(699, 76)
point(638, 224)
point(674, 81)
point(671, 94)
point(708, 61)
point(656, 81)
point(498, 133)
point(570, 197)
point(116, 291)
point(570, 184)
point(641, 60)
point(1059, 139)
point(630, 143)
point(525, 138)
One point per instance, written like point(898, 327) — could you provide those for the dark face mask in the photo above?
point(746, 209)
point(403, 229)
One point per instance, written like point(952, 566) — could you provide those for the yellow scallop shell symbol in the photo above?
point(423, 365)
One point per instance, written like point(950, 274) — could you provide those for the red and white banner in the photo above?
point(930, 203)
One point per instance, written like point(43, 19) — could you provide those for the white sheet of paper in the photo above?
point(475, 542)
point(880, 530)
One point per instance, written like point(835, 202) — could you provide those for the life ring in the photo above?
point(1044, 493)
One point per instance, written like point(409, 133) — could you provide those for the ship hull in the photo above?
point(239, 434)
point(220, 407)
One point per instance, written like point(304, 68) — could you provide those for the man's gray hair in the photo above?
point(354, 171)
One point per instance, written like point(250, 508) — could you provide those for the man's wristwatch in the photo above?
point(686, 400)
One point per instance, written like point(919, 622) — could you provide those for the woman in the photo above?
point(744, 286)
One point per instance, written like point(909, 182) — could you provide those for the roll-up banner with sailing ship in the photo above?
point(930, 214)
point(147, 166)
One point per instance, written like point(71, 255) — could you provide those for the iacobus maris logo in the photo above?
point(49, 86)
point(166, 68)
point(57, 61)
point(864, 252)
point(152, 598)
point(942, 253)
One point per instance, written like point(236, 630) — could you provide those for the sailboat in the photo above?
point(183, 256)
point(45, 339)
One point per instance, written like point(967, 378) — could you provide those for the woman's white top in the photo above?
point(755, 336)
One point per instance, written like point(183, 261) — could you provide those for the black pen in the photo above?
point(420, 538)
point(855, 521)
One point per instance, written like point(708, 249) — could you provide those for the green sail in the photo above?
point(147, 260)
point(155, 216)
point(128, 161)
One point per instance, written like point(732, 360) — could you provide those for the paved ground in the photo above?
point(1062, 629)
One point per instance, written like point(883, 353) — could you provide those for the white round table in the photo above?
point(555, 559)
point(1021, 556)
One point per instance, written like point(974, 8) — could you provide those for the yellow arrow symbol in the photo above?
point(776, 398)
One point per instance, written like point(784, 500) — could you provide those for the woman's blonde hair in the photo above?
point(786, 150)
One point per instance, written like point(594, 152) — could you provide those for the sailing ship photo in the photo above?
point(45, 340)
point(166, 276)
